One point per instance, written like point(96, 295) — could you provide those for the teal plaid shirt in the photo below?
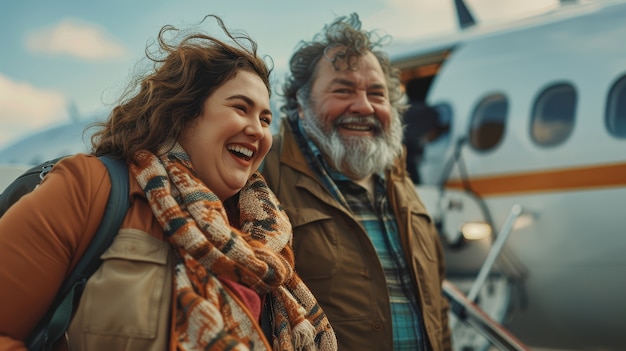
point(378, 220)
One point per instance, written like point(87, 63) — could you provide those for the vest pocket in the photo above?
point(129, 295)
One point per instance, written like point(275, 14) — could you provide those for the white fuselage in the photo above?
point(574, 248)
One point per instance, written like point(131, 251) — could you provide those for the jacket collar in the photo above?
point(290, 153)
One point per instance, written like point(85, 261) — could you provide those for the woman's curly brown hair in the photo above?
point(172, 95)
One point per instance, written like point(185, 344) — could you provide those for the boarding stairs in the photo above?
point(464, 306)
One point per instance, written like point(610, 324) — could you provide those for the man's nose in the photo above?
point(361, 104)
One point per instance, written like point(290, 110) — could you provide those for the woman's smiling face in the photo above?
point(227, 143)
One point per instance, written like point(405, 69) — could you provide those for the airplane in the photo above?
point(525, 185)
point(528, 184)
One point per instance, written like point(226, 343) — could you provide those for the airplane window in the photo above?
point(616, 109)
point(488, 122)
point(553, 115)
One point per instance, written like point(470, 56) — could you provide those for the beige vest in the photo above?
point(126, 303)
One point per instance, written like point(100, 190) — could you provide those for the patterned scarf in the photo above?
point(259, 256)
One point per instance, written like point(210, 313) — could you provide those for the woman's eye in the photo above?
point(241, 107)
point(266, 120)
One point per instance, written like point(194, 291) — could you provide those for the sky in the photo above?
point(71, 59)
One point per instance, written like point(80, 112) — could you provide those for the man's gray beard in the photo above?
point(356, 156)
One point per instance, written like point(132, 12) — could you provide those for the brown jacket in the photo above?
point(336, 259)
point(43, 235)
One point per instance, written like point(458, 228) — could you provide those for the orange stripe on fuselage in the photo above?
point(580, 178)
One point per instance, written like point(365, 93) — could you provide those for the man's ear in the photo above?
point(300, 112)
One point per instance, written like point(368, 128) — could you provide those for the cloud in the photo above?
point(69, 37)
point(493, 10)
point(24, 107)
point(408, 19)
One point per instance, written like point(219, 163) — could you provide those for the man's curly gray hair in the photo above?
point(344, 32)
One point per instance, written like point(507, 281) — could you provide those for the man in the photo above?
point(363, 241)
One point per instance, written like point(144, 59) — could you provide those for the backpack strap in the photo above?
point(57, 319)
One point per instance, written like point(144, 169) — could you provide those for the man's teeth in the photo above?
point(240, 149)
point(357, 127)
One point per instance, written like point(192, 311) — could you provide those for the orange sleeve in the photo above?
point(42, 236)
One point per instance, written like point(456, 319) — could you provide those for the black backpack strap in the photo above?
point(57, 319)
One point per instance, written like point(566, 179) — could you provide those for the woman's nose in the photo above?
point(254, 129)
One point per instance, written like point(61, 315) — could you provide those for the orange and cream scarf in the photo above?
point(259, 256)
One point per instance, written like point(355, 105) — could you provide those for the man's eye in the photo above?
point(241, 107)
point(342, 91)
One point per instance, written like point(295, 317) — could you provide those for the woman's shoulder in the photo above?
point(80, 179)
point(84, 170)
point(82, 163)
point(55, 223)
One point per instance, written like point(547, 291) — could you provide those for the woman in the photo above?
point(204, 243)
